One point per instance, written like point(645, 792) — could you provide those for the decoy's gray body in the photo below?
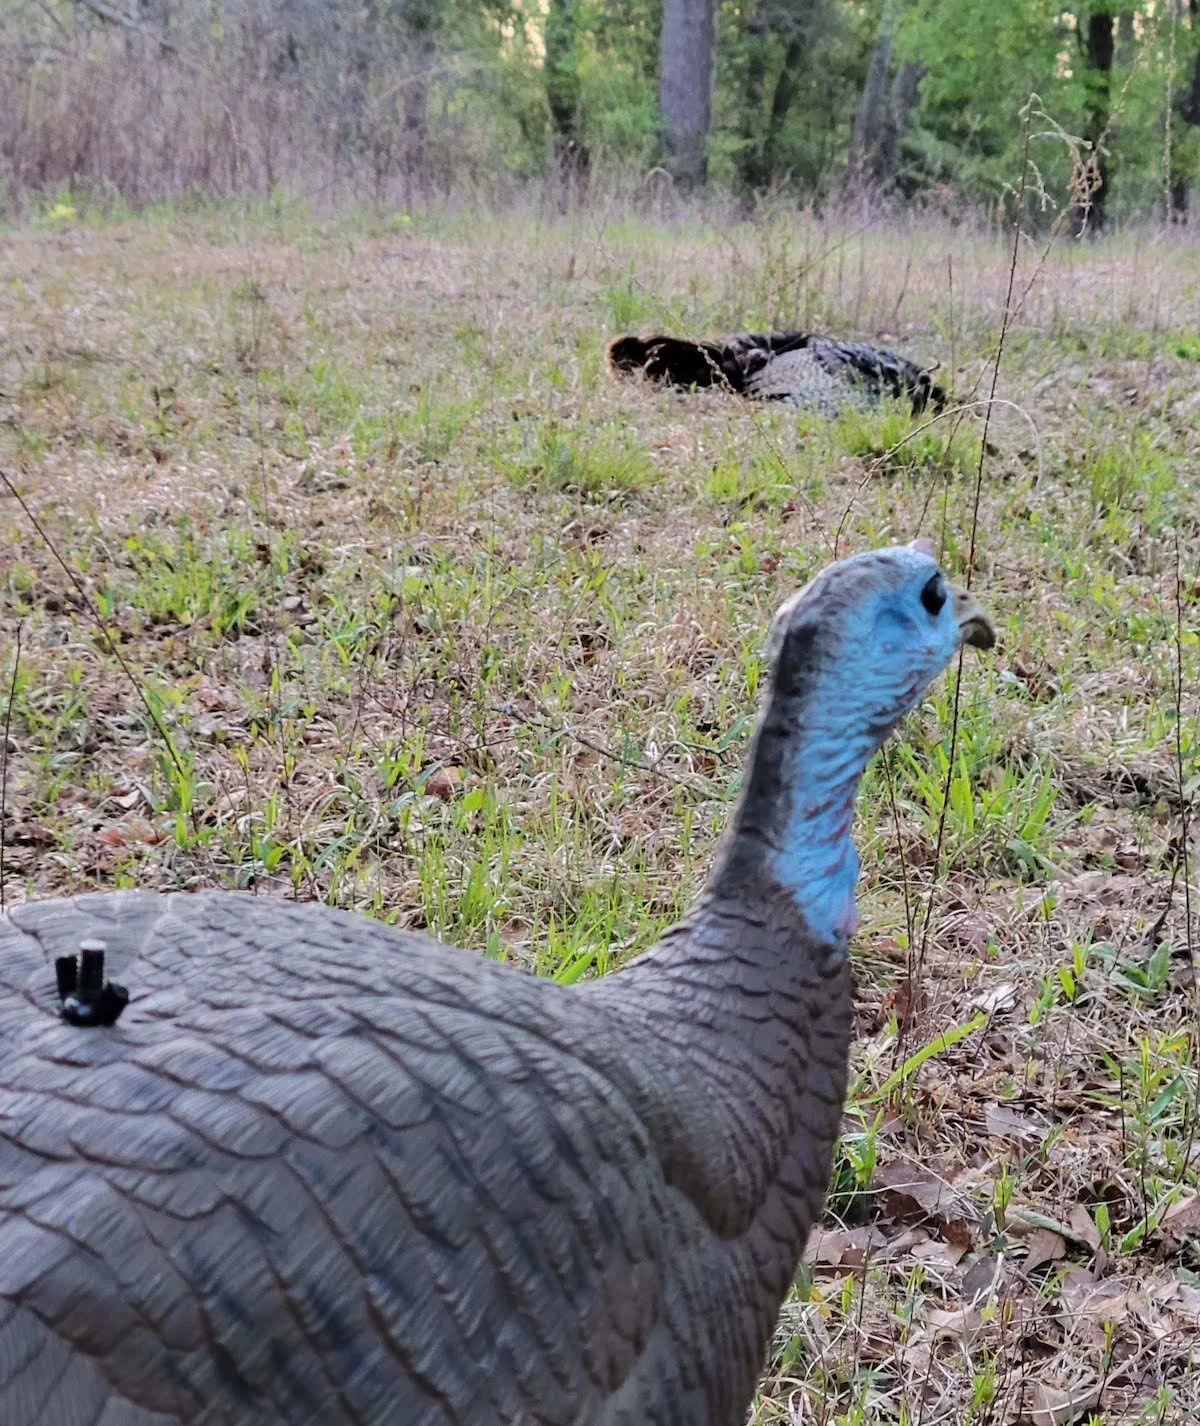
point(323, 1172)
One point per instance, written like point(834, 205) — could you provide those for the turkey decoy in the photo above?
point(318, 1171)
point(815, 373)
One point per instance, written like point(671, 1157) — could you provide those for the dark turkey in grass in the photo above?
point(800, 368)
point(319, 1171)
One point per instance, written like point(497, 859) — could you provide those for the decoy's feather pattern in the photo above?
point(324, 1172)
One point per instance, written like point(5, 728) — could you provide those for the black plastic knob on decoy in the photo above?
point(86, 997)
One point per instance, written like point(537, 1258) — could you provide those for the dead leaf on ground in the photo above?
point(958, 1234)
point(1186, 1300)
point(961, 1322)
point(1083, 1229)
point(1043, 1246)
point(1047, 1405)
point(29, 834)
point(1102, 1300)
point(911, 1191)
point(999, 997)
point(1182, 1219)
point(984, 1279)
point(1005, 1123)
point(937, 1254)
point(444, 782)
point(842, 1247)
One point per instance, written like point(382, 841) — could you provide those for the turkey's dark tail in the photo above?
point(935, 395)
point(674, 361)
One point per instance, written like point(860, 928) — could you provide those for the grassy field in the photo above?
point(446, 627)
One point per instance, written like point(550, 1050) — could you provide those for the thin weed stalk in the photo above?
point(917, 969)
point(1181, 865)
point(101, 627)
point(5, 744)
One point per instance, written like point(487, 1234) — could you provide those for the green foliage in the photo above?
point(982, 62)
point(606, 461)
point(788, 79)
point(920, 99)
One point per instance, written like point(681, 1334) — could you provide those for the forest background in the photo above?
point(881, 103)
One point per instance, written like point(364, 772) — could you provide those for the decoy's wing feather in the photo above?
point(342, 1188)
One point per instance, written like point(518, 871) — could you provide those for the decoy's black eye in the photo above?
point(933, 596)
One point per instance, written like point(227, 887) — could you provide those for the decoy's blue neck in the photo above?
point(796, 812)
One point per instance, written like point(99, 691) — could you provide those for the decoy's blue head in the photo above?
point(850, 655)
point(862, 641)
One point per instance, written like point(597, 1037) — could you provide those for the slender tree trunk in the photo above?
point(1092, 210)
point(750, 160)
point(571, 158)
point(781, 102)
point(1187, 108)
point(868, 146)
point(902, 100)
point(796, 23)
point(415, 120)
point(685, 77)
point(360, 50)
point(1189, 97)
point(1126, 39)
point(866, 140)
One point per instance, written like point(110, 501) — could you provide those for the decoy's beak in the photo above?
point(974, 625)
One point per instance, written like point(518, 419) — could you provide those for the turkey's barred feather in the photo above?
point(801, 368)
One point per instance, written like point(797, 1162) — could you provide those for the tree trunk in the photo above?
point(868, 144)
point(866, 140)
point(685, 77)
point(1092, 207)
point(1126, 38)
point(353, 89)
point(751, 168)
point(781, 102)
point(902, 99)
point(1187, 106)
point(797, 24)
point(883, 117)
point(414, 127)
point(561, 70)
point(1188, 102)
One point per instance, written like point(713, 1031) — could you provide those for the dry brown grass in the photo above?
point(447, 627)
